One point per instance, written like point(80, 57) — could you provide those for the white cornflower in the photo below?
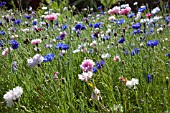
point(96, 94)
point(37, 59)
point(132, 83)
point(85, 76)
point(107, 55)
point(13, 95)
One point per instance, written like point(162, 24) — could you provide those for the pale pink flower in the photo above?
point(87, 65)
point(125, 11)
point(51, 17)
point(6, 51)
point(116, 58)
point(36, 41)
point(85, 76)
point(96, 94)
point(114, 10)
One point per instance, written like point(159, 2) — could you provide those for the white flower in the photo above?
point(96, 94)
point(132, 83)
point(85, 76)
point(44, 8)
point(12, 95)
point(124, 5)
point(155, 10)
point(138, 16)
point(144, 20)
point(37, 59)
point(107, 55)
point(159, 29)
point(111, 18)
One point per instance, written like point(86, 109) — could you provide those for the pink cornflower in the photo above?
point(6, 51)
point(148, 15)
point(125, 11)
point(36, 41)
point(114, 10)
point(87, 65)
point(116, 58)
point(51, 17)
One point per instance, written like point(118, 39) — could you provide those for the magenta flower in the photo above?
point(51, 17)
point(87, 65)
point(125, 11)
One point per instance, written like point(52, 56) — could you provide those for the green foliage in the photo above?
point(108, 3)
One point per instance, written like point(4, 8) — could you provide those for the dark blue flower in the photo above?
point(152, 43)
point(135, 51)
point(136, 26)
point(120, 21)
point(167, 19)
point(99, 8)
point(137, 31)
point(91, 25)
point(27, 16)
point(1, 43)
point(17, 22)
point(97, 25)
point(14, 44)
point(64, 27)
point(121, 40)
point(142, 9)
point(100, 64)
point(126, 52)
point(2, 3)
point(12, 19)
point(149, 78)
point(168, 54)
point(48, 57)
point(94, 69)
point(34, 22)
point(56, 23)
point(80, 26)
point(131, 15)
point(0, 23)
point(62, 46)
point(2, 32)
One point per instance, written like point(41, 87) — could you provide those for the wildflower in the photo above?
point(62, 36)
point(97, 25)
point(2, 4)
point(123, 79)
point(51, 17)
point(100, 64)
point(2, 32)
point(116, 58)
point(138, 16)
point(35, 22)
point(114, 10)
point(132, 83)
point(155, 10)
point(13, 95)
point(131, 15)
point(96, 94)
point(167, 19)
point(118, 108)
point(55, 75)
point(62, 46)
point(135, 51)
point(120, 21)
point(149, 78)
point(136, 26)
point(152, 43)
point(94, 69)
point(112, 18)
point(48, 57)
point(148, 15)
point(85, 76)
point(80, 26)
point(14, 44)
point(137, 31)
point(87, 65)
point(37, 59)
point(142, 9)
point(64, 26)
point(121, 40)
point(16, 22)
point(36, 41)
point(14, 66)
point(90, 25)
point(6, 51)
point(107, 55)
point(125, 11)
point(168, 54)
point(27, 16)
point(106, 38)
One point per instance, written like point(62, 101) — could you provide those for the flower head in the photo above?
point(96, 94)
point(36, 41)
point(85, 76)
point(152, 43)
point(48, 57)
point(132, 83)
point(87, 65)
point(51, 17)
point(37, 59)
point(14, 44)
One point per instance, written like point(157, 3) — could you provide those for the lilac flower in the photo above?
point(87, 65)
point(62, 36)
point(14, 44)
point(48, 57)
point(152, 43)
point(136, 26)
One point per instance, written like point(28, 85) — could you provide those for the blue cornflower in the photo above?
point(100, 64)
point(2, 32)
point(48, 57)
point(149, 78)
point(97, 25)
point(62, 46)
point(0, 23)
point(142, 9)
point(2, 3)
point(99, 8)
point(137, 31)
point(121, 40)
point(135, 51)
point(126, 52)
point(27, 16)
point(94, 69)
point(168, 54)
point(14, 44)
point(120, 21)
point(17, 22)
point(90, 25)
point(80, 26)
point(167, 19)
point(136, 26)
point(64, 27)
point(56, 23)
point(34, 22)
point(1, 43)
point(12, 19)
point(106, 38)
point(131, 15)
point(152, 43)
